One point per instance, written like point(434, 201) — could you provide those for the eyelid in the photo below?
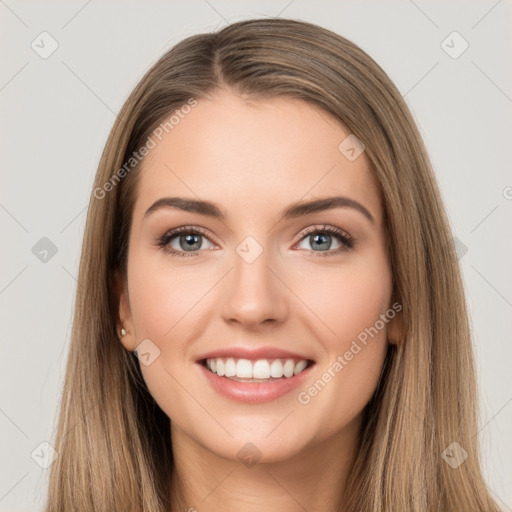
point(188, 229)
point(323, 228)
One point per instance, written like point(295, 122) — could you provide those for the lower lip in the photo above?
point(254, 392)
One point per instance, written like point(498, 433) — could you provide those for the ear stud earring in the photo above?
point(124, 332)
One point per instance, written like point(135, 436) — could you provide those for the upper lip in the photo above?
point(253, 353)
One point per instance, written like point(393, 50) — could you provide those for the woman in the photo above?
point(218, 359)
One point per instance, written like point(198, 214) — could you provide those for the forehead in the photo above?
point(249, 155)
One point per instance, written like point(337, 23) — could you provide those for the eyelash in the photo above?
point(347, 240)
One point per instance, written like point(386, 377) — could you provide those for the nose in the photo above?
point(254, 294)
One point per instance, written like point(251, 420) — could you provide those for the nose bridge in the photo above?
point(255, 295)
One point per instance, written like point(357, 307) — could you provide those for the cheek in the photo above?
point(165, 304)
point(164, 299)
point(348, 300)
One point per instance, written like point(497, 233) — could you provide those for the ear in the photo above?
point(396, 329)
point(123, 313)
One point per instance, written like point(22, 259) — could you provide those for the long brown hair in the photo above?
point(113, 441)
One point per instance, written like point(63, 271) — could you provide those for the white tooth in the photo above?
point(244, 369)
point(276, 369)
point(230, 367)
point(220, 367)
point(261, 369)
point(288, 368)
point(300, 366)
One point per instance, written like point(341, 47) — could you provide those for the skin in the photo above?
point(254, 159)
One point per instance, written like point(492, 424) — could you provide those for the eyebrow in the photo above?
point(293, 211)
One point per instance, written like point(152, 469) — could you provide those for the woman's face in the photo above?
point(257, 284)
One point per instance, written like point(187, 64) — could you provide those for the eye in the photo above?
point(322, 238)
point(188, 241)
point(184, 241)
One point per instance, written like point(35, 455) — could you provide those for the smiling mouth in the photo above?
point(256, 371)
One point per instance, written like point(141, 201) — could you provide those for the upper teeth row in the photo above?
point(260, 369)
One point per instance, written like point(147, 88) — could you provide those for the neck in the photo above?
point(313, 479)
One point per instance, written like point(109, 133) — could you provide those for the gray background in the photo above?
point(57, 111)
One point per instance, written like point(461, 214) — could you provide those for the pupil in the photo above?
point(324, 237)
point(190, 240)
